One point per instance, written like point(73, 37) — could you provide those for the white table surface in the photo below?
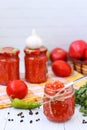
point(75, 123)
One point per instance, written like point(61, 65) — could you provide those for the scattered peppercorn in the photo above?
point(31, 121)
point(21, 120)
point(38, 119)
point(37, 113)
point(8, 113)
point(19, 114)
point(22, 116)
point(8, 119)
point(84, 122)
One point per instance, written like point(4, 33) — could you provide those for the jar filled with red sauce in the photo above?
point(35, 65)
point(9, 64)
point(59, 102)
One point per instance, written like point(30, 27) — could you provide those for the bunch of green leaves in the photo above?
point(81, 98)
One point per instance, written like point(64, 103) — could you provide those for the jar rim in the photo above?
point(35, 51)
point(9, 51)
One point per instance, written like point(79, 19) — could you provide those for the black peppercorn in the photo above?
point(21, 120)
point(31, 121)
point(37, 113)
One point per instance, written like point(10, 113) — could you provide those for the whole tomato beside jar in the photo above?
point(17, 89)
point(58, 54)
point(77, 49)
point(61, 68)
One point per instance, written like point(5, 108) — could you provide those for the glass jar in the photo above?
point(9, 64)
point(35, 65)
point(58, 104)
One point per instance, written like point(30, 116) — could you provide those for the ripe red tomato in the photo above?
point(77, 49)
point(61, 68)
point(17, 89)
point(85, 54)
point(58, 54)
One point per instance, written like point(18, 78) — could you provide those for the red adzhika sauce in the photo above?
point(58, 107)
point(35, 65)
point(9, 64)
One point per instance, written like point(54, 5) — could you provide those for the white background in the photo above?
point(58, 22)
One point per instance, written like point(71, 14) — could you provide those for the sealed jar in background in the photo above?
point(9, 64)
point(35, 65)
point(59, 102)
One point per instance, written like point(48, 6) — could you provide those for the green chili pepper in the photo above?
point(18, 103)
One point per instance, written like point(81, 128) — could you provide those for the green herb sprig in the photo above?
point(81, 98)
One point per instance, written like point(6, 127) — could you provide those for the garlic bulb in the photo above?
point(33, 41)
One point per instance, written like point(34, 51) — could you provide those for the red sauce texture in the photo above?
point(35, 66)
point(9, 65)
point(58, 111)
